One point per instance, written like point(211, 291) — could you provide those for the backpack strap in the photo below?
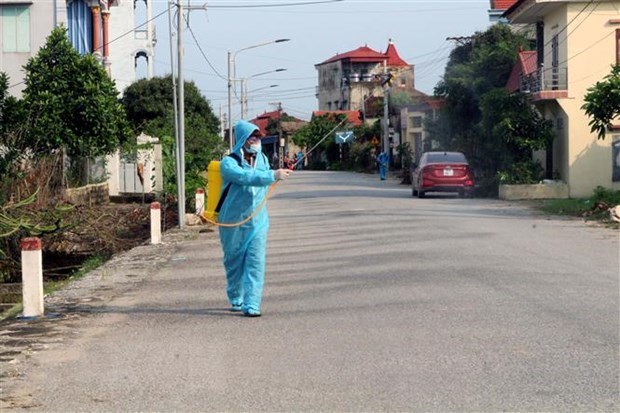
point(237, 158)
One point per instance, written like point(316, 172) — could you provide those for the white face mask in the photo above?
point(255, 147)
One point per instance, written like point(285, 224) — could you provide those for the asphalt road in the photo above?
point(374, 301)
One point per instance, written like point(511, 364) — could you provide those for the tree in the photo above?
point(12, 147)
point(602, 102)
point(513, 129)
point(309, 135)
point(72, 103)
point(475, 68)
point(492, 127)
point(149, 107)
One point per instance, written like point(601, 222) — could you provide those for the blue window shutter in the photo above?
point(80, 26)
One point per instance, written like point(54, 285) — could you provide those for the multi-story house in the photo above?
point(577, 43)
point(411, 128)
point(348, 80)
point(21, 38)
point(120, 33)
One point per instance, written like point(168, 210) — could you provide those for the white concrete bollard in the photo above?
point(32, 277)
point(155, 223)
point(200, 201)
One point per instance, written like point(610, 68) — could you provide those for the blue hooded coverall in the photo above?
point(382, 160)
point(245, 246)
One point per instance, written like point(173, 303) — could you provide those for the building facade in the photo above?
point(21, 38)
point(577, 43)
point(411, 127)
point(347, 80)
point(119, 33)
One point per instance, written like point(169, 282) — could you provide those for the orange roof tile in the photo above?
point(361, 54)
point(393, 57)
point(366, 54)
point(502, 4)
point(353, 116)
point(525, 65)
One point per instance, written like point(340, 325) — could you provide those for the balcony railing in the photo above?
point(544, 79)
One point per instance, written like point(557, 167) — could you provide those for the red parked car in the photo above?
point(442, 172)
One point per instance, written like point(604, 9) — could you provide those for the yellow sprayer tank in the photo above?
point(214, 189)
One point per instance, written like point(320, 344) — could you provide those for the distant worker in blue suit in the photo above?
point(299, 161)
point(244, 246)
point(382, 161)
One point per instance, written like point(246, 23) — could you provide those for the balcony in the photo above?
point(545, 83)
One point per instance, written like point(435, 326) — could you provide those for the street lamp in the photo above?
point(231, 70)
point(244, 89)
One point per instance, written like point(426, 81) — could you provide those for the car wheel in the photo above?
point(421, 194)
point(462, 193)
point(413, 191)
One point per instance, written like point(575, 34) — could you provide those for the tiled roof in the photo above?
point(365, 54)
point(393, 57)
point(262, 121)
point(361, 54)
point(353, 116)
point(502, 4)
point(525, 65)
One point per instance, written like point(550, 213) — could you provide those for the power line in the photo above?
point(201, 51)
point(133, 30)
point(113, 40)
point(588, 48)
point(253, 6)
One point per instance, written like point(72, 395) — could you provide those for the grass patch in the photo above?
point(49, 287)
point(570, 207)
point(89, 265)
point(594, 208)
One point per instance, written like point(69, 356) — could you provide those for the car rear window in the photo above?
point(446, 157)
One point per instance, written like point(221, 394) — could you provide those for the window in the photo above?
point(15, 28)
point(139, 17)
point(615, 158)
point(618, 46)
point(455, 157)
point(416, 122)
point(80, 25)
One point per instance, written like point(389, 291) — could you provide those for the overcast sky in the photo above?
point(317, 31)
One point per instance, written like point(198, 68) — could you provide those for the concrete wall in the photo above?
point(536, 191)
point(95, 194)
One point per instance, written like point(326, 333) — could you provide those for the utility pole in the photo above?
point(280, 138)
point(386, 123)
point(461, 39)
point(230, 131)
point(181, 102)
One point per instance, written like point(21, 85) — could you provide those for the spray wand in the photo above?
point(273, 186)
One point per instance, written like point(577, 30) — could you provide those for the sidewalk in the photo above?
point(20, 339)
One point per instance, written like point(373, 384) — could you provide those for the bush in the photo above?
point(520, 173)
point(486, 187)
point(605, 195)
point(593, 208)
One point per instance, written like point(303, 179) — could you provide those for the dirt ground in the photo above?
point(97, 231)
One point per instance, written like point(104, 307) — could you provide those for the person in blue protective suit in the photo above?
point(244, 246)
point(382, 161)
point(299, 161)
